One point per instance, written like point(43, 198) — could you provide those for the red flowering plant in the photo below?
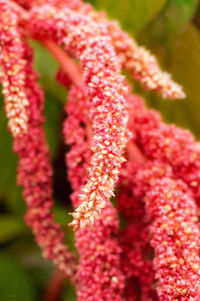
point(117, 149)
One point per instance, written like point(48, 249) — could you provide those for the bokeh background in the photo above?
point(171, 30)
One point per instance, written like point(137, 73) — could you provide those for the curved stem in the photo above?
point(67, 64)
point(54, 287)
point(134, 153)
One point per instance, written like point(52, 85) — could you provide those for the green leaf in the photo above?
point(10, 228)
point(179, 12)
point(15, 283)
point(133, 15)
point(69, 293)
point(53, 123)
point(55, 95)
point(63, 218)
point(185, 64)
point(170, 23)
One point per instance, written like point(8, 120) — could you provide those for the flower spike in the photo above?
point(99, 271)
point(34, 174)
point(142, 65)
point(12, 72)
point(173, 229)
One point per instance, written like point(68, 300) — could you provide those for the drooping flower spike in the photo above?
point(173, 230)
point(142, 65)
point(35, 175)
point(99, 271)
point(12, 70)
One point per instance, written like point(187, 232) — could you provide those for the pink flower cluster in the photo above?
point(99, 273)
point(12, 73)
point(119, 152)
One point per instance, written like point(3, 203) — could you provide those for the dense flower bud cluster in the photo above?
point(170, 224)
point(12, 70)
point(155, 256)
point(167, 143)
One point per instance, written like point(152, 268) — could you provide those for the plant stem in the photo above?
point(134, 153)
point(67, 64)
point(54, 287)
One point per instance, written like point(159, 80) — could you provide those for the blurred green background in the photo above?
point(171, 30)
